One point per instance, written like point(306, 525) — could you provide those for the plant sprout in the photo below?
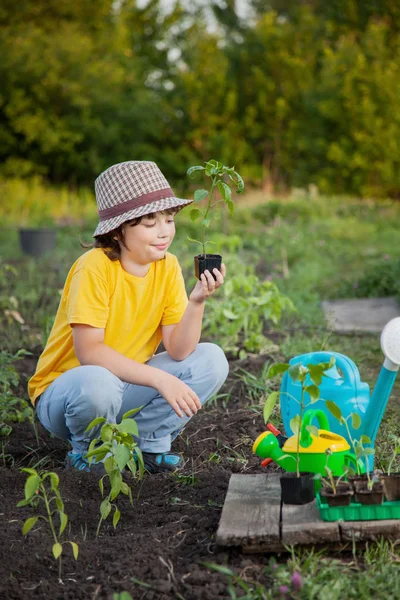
point(43, 486)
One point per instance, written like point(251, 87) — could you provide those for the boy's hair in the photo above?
point(111, 241)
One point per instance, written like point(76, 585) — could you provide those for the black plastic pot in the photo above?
point(297, 490)
point(391, 486)
point(209, 262)
point(37, 241)
point(343, 495)
point(363, 495)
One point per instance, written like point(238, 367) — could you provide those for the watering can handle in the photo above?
point(309, 416)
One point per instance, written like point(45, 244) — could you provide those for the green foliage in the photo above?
point(116, 447)
point(43, 487)
point(216, 171)
point(12, 407)
point(239, 317)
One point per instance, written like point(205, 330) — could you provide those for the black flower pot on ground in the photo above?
point(342, 497)
point(37, 241)
point(207, 263)
point(391, 486)
point(297, 490)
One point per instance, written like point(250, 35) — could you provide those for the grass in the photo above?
point(314, 250)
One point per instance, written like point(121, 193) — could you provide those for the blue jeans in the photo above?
point(80, 395)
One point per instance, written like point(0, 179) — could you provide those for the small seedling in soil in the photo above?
point(116, 447)
point(43, 486)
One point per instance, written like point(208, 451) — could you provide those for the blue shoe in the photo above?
point(161, 463)
point(77, 461)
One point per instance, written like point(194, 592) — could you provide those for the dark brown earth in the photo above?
point(162, 542)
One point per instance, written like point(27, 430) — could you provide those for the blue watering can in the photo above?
point(343, 386)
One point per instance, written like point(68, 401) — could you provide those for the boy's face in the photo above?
point(150, 239)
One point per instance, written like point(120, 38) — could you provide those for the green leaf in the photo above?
point(229, 314)
point(295, 424)
point(195, 214)
point(313, 391)
point(122, 455)
point(95, 422)
point(334, 409)
point(29, 523)
point(369, 451)
point(199, 195)
point(277, 369)
point(63, 521)
point(116, 517)
point(75, 550)
point(101, 486)
point(130, 413)
point(240, 183)
point(298, 372)
point(31, 486)
point(98, 450)
point(105, 508)
point(355, 420)
point(206, 222)
point(313, 430)
point(269, 405)
point(128, 426)
point(57, 550)
point(225, 191)
point(125, 488)
point(190, 172)
point(364, 439)
point(106, 433)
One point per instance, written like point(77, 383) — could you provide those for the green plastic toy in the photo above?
point(311, 448)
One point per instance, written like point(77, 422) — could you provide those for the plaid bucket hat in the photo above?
point(132, 189)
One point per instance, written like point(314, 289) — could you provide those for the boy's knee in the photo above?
point(98, 394)
point(217, 363)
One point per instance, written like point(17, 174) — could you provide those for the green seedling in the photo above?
point(355, 423)
point(13, 408)
point(395, 452)
point(43, 486)
point(116, 447)
point(310, 378)
point(330, 481)
point(216, 172)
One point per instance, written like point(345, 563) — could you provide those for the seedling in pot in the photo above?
point(116, 447)
point(43, 486)
point(330, 481)
point(222, 178)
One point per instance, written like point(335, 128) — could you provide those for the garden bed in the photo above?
point(162, 541)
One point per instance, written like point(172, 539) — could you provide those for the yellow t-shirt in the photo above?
point(130, 309)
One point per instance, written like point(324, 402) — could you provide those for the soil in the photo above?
point(159, 547)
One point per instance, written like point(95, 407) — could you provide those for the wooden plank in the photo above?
point(251, 513)
point(302, 524)
point(370, 530)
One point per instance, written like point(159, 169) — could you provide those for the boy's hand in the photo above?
point(207, 285)
point(179, 395)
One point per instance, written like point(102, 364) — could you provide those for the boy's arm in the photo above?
point(90, 349)
point(181, 340)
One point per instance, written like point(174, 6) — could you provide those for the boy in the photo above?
point(120, 300)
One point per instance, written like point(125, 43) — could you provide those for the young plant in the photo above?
point(43, 486)
point(330, 481)
point(310, 378)
point(216, 172)
point(116, 447)
point(12, 407)
point(395, 452)
point(357, 445)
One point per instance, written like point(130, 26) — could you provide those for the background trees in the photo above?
point(296, 92)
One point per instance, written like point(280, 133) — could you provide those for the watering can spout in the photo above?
point(379, 399)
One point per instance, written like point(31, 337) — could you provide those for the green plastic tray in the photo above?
point(358, 512)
